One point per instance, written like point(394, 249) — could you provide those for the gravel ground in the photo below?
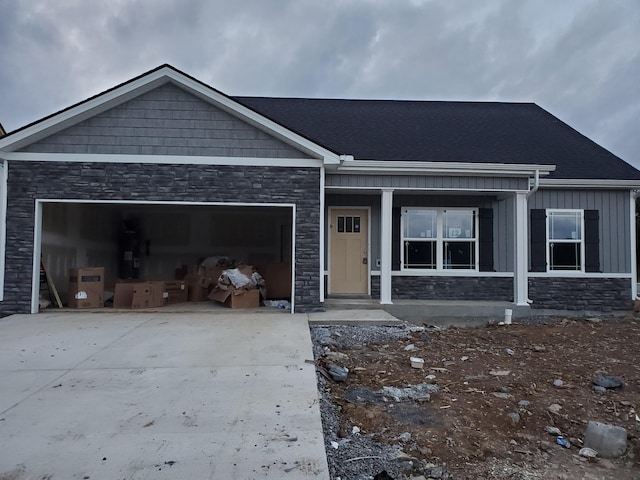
point(357, 456)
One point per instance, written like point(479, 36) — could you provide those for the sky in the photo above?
point(578, 59)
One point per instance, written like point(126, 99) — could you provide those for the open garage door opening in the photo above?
point(186, 247)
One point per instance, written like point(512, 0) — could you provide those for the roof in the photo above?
point(439, 131)
point(401, 130)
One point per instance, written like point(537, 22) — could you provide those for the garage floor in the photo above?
point(158, 396)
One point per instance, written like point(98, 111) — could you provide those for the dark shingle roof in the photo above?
point(485, 132)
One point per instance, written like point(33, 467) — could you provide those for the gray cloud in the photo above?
point(579, 59)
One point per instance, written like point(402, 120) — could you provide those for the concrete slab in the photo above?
point(154, 395)
point(353, 317)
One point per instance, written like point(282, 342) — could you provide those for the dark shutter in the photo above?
point(538, 235)
point(485, 235)
point(395, 238)
point(591, 241)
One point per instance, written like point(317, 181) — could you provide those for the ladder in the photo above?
point(47, 282)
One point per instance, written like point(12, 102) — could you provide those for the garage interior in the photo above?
point(164, 239)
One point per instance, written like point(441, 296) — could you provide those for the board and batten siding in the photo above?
point(166, 121)
point(614, 224)
point(426, 182)
point(503, 221)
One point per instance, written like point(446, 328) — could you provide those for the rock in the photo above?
point(436, 472)
point(545, 446)
point(588, 452)
point(339, 374)
point(609, 441)
point(563, 442)
point(539, 348)
point(599, 389)
point(515, 417)
point(464, 358)
point(558, 383)
point(335, 445)
point(554, 408)
point(505, 396)
point(524, 404)
point(608, 381)
point(552, 430)
point(410, 347)
point(509, 351)
point(499, 373)
point(419, 393)
point(336, 356)
point(355, 431)
point(404, 437)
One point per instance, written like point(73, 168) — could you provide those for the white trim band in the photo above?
point(162, 159)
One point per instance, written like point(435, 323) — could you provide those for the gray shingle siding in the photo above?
point(110, 181)
point(615, 210)
point(426, 181)
point(166, 121)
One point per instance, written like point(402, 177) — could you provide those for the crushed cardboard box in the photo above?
point(238, 287)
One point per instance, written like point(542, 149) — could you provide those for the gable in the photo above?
point(166, 121)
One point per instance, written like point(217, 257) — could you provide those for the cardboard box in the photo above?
point(86, 287)
point(137, 294)
point(277, 278)
point(123, 293)
point(210, 276)
point(175, 292)
point(195, 292)
point(148, 295)
point(236, 298)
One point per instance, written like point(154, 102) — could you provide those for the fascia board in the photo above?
point(81, 112)
point(589, 183)
point(458, 168)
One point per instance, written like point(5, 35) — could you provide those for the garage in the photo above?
point(173, 166)
point(163, 242)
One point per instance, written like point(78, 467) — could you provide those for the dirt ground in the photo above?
point(495, 387)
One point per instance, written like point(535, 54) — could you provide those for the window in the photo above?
point(565, 245)
point(439, 239)
point(348, 224)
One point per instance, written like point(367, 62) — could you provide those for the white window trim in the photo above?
point(439, 239)
point(550, 211)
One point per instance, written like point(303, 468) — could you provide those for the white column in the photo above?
point(386, 246)
point(632, 230)
point(520, 251)
point(322, 234)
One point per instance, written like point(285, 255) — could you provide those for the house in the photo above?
point(388, 199)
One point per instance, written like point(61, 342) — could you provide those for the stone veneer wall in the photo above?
point(452, 288)
point(599, 294)
point(156, 182)
point(375, 286)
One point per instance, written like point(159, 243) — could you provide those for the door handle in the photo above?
point(365, 261)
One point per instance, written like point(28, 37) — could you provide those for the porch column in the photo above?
point(521, 252)
point(386, 236)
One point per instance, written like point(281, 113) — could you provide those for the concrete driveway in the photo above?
point(158, 396)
